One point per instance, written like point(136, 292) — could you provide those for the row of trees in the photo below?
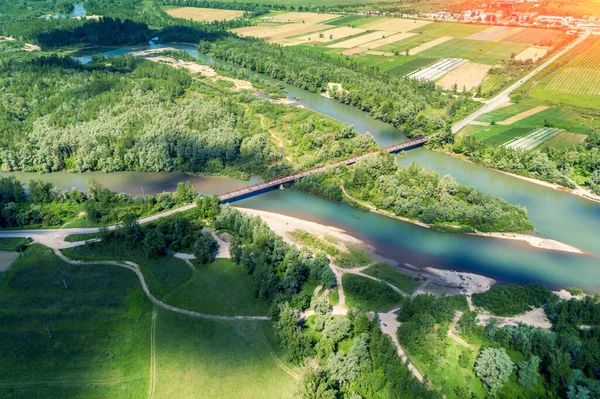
point(511, 300)
point(560, 165)
point(417, 193)
point(419, 108)
point(50, 206)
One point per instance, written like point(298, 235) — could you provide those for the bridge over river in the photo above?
point(258, 188)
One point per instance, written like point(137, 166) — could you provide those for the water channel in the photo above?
point(557, 215)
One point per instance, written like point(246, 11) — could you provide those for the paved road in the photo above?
point(504, 96)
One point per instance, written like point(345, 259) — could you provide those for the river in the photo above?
point(557, 215)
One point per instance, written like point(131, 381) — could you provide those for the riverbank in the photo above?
point(578, 191)
point(433, 281)
point(536, 242)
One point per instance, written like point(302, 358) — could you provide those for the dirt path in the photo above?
point(453, 335)
point(359, 272)
point(277, 139)
point(389, 325)
point(136, 269)
point(152, 357)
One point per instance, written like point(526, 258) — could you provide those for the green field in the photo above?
point(504, 113)
point(85, 331)
point(450, 29)
point(217, 359)
point(220, 288)
point(407, 44)
point(560, 118)
point(162, 275)
point(577, 82)
point(383, 62)
point(370, 295)
point(72, 331)
point(411, 65)
point(564, 140)
point(482, 52)
point(392, 276)
point(352, 20)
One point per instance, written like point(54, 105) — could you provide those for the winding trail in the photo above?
point(136, 269)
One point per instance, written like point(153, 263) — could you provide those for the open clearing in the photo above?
point(378, 43)
point(523, 115)
point(428, 45)
point(396, 25)
point(6, 259)
point(204, 14)
point(465, 76)
point(532, 53)
point(329, 35)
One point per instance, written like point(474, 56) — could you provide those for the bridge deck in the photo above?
point(276, 182)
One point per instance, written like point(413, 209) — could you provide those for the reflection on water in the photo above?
point(137, 183)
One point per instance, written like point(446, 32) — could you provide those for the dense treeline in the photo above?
point(417, 193)
point(16, 11)
point(278, 269)
point(511, 300)
point(564, 166)
point(127, 113)
point(419, 108)
point(50, 206)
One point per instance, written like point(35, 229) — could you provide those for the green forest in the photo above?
point(417, 193)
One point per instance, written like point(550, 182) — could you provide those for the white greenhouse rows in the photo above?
point(437, 70)
point(533, 139)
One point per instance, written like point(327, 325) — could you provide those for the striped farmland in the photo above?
point(533, 139)
point(437, 70)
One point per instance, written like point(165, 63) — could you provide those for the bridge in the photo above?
point(258, 188)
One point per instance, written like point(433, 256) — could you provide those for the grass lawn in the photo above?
point(450, 29)
point(392, 276)
point(90, 339)
point(483, 52)
point(369, 295)
point(217, 359)
point(162, 275)
point(220, 288)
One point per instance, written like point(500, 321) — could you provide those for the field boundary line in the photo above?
point(278, 360)
point(152, 356)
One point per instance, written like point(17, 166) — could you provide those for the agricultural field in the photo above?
point(518, 120)
point(576, 83)
point(395, 44)
point(204, 14)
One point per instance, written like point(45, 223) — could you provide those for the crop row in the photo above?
point(576, 80)
point(533, 139)
point(592, 58)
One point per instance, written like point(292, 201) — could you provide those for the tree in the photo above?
point(527, 372)
point(186, 192)
point(205, 247)
point(494, 367)
point(337, 328)
point(40, 191)
point(154, 243)
point(321, 305)
point(314, 385)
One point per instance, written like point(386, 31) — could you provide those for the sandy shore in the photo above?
point(434, 281)
point(537, 242)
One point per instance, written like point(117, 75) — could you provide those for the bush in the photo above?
point(511, 300)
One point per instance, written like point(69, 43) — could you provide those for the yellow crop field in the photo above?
point(532, 53)
point(428, 45)
point(329, 35)
point(378, 43)
point(204, 14)
point(300, 17)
